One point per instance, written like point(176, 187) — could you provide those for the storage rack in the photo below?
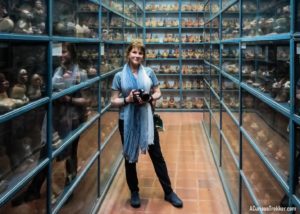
point(253, 134)
point(100, 156)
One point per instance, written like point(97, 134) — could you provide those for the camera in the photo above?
point(142, 94)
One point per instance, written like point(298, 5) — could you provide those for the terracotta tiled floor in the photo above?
point(191, 168)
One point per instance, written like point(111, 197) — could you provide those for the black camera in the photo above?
point(142, 94)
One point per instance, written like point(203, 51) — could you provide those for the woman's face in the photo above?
point(135, 56)
point(66, 56)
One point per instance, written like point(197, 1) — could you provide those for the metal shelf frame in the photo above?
point(286, 109)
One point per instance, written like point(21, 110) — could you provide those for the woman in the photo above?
point(136, 125)
point(69, 112)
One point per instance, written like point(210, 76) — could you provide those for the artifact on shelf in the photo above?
point(35, 87)
point(283, 94)
point(6, 23)
point(165, 102)
point(6, 103)
point(19, 90)
point(172, 103)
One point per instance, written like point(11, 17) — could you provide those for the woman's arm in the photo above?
point(118, 101)
point(156, 93)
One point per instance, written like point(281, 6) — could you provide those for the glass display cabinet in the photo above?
point(173, 35)
point(260, 18)
point(254, 134)
point(57, 61)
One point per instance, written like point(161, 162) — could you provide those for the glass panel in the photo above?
point(260, 18)
point(106, 91)
point(230, 22)
point(215, 25)
point(215, 108)
point(73, 159)
point(108, 159)
point(231, 174)
point(297, 21)
point(71, 111)
point(171, 100)
point(84, 197)
point(112, 59)
point(297, 80)
point(109, 122)
point(265, 187)
point(270, 131)
point(192, 100)
point(167, 20)
point(22, 147)
point(231, 96)
point(215, 139)
point(206, 118)
point(266, 67)
point(129, 9)
point(206, 33)
point(27, 200)
point(297, 160)
point(215, 55)
point(192, 20)
point(112, 29)
point(23, 74)
point(192, 53)
point(24, 17)
point(247, 203)
point(167, 69)
point(161, 6)
point(214, 6)
point(231, 132)
point(230, 59)
point(80, 18)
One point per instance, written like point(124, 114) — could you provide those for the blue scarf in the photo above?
point(138, 119)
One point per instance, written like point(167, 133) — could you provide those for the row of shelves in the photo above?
point(253, 128)
point(42, 139)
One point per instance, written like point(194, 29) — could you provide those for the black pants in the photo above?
point(71, 168)
point(158, 162)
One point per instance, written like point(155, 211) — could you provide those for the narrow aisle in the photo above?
point(191, 168)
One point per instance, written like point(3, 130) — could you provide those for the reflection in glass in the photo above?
point(26, 201)
point(73, 64)
point(270, 131)
point(84, 197)
point(22, 147)
point(265, 187)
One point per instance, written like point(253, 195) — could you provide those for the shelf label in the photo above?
point(57, 49)
point(243, 46)
point(102, 49)
point(298, 48)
